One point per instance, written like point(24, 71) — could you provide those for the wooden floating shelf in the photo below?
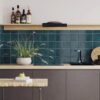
point(40, 27)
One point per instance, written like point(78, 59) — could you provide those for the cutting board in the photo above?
point(95, 53)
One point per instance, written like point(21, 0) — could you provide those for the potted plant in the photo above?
point(25, 51)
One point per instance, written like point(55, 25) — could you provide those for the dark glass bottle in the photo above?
point(29, 17)
point(18, 15)
point(23, 17)
point(13, 17)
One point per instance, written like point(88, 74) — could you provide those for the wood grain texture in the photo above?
point(40, 27)
point(65, 66)
point(95, 53)
point(15, 83)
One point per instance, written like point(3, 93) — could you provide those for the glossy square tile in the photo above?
point(51, 52)
point(66, 44)
point(5, 52)
point(96, 44)
point(54, 61)
point(57, 47)
point(85, 45)
point(5, 37)
point(52, 44)
point(74, 44)
point(65, 60)
point(58, 44)
point(40, 44)
point(14, 36)
point(65, 52)
point(5, 32)
point(5, 45)
point(44, 37)
point(52, 36)
point(36, 61)
point(74, 60)
point(74, 53)
point(57, 61)
point(25, 37)
point(85, 36)
point(57, 52)
point(58, 36)
point(65, 36)
point(40, 61)
point(96, 36)
point(44, 52)
point(13, 53)
point(45, 61)
point(37, 37)
point(74, 35)
point(13, 60)
point(5, 60)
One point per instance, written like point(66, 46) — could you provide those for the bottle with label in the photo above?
point(29, 16)
point(18, 15)
point(23, 17)
point(13, 17)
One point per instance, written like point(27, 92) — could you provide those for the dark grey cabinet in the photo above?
point(55, 90)
point(56, 86)
point(63, 85)
point(5, 74)
point(82, 85)
point(15, 93)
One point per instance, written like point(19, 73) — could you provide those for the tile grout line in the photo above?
point(10, 48)
point(92, 39)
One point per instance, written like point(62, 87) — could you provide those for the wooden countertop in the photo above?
point(8, 66)
point(66, 66)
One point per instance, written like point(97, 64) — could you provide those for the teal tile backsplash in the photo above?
point(57, 47)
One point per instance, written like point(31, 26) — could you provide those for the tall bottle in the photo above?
point(29, 16)
point(23, 17)
point(18, 15)
point(13, 17)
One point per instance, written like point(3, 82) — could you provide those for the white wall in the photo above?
point(68, 11)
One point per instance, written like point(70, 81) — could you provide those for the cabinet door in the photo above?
point(56, 84)
point(5, 74)
point(19, 93)
point(82, 85)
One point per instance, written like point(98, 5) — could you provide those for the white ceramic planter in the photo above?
point(24, 61)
